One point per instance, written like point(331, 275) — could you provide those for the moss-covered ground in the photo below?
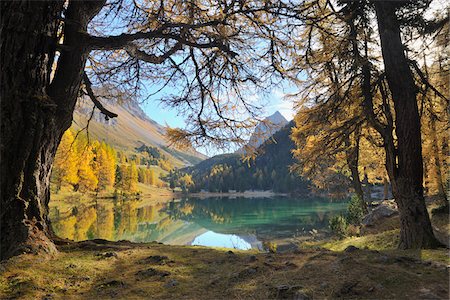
point(104, 270)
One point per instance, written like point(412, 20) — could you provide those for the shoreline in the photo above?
point(246, 194)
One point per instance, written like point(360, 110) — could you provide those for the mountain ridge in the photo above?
point(130, 130)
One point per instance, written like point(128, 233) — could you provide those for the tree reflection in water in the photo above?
point(182, 221)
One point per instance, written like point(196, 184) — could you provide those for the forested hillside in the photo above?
point(114, 155)
point(269, 170)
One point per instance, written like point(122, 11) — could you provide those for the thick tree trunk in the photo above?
point(29, 127)
point(35, 113)
point(407, 176)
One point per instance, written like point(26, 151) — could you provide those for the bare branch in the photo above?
point(108, 114)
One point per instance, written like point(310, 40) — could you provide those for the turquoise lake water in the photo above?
point(240, 223)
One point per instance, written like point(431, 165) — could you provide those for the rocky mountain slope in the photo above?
point(130, 130)
point(265, 130)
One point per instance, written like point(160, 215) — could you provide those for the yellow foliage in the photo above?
point(65, 165)
point(106, 166)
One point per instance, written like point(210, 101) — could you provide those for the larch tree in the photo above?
point(87, 175)
point(330, 119)
point(388, 92)
point(106, 165)
point(132, 179)
point(211, 52)
point(207, 49)
point(65, 166)
point(404, 161)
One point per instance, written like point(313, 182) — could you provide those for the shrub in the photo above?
point(348, 223)
point(339, 225)
point(355, 210)
point(270, 246)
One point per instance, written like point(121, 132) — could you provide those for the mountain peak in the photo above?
point(277, 118)
point(265, 130)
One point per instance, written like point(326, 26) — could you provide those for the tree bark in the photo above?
point(437, 161)
point(352, 156)
point(35, 113)
point(406, 174)
point(28, 124)
point(385, 189)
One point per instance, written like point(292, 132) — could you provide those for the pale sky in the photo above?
point(163, 115)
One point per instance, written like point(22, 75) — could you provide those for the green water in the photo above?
point(241, 223)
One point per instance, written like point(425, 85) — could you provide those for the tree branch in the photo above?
point(133, 51)
point(108, 114)
point(424, 80)
point(123, 40)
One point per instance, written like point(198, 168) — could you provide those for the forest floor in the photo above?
point(364, 267)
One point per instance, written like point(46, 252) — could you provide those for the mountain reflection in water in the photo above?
point(240, 223)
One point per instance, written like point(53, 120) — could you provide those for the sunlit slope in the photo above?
point(131, 129)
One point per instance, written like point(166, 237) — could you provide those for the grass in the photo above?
point(385, 236)
point(386, 242)
point(81, 270)
point(380, 241)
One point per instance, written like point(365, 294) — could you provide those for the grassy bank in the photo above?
point(101, 270)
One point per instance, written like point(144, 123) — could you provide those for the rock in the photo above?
point(285, 291)
point(382, 259)
point(245, 273)
point(346, 289)
point(323, 285)
point(407, 260)
point(351, 249)
point(283, 287)
point(230, 252)
point(152, 272)
point(107, 255)
point(427, 294)
point(300, 295)
point(112, 283)
point(154, 259)
point(252, 258)
point(381, 212)
point(290, 265)
point(171, 283)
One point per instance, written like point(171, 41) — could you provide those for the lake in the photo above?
point(240, 223)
